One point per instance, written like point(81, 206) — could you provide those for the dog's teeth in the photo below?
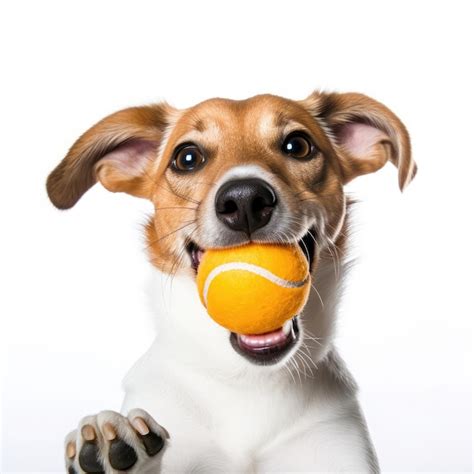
point(287, 327)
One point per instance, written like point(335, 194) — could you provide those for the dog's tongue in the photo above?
point(260, 341)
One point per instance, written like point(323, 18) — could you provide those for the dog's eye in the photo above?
point(188, 158)
point(298, 145)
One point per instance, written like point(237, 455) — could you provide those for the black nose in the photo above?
point(245, 204)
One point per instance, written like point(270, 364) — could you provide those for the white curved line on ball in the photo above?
point(249, 267)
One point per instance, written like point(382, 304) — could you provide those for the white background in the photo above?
point(72, 308)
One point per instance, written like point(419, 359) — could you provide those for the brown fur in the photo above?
point(230, 133)
point(77, 172)
point(335, 110)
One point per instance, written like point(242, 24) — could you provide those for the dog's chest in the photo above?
point(247, 418)
point(240, 418)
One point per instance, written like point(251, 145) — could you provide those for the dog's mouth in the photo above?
point(307, 244)
point(268, 348)
point(271, 347)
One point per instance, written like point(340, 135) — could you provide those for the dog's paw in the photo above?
point(110, 442)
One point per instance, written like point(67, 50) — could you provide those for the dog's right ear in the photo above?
point(118, 151)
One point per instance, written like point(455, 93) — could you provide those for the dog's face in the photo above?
point(224, 173)
point(241, 171)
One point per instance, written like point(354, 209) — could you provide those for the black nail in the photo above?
point(121, 455)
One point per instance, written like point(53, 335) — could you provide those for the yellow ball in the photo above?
point(255, 288)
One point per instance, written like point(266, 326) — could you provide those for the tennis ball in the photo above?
point(255, 288)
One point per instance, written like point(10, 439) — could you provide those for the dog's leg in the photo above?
point(109, 442)
point(338, 443)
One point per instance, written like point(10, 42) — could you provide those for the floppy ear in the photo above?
point(366, 133)
point(116, 151)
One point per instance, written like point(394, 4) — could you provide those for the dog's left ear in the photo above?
point(366, 134)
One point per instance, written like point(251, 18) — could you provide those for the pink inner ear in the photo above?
point(132, 156)
point(359, 138)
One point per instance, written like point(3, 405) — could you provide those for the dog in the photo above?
point(219, 174)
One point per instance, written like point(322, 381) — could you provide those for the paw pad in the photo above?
point(106, 442)
point(153, 443)
point(121, 455)
point(89, 458)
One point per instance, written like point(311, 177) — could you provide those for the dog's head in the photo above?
point(223, 173)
